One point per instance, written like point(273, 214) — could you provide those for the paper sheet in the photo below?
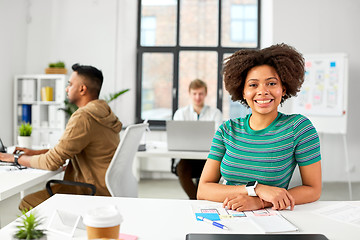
point(344, 212)
point(273, 224)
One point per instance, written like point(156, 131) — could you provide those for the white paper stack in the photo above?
point(59, 90)
point(28, 90)
point(56, 117)
point(273, 224)
point(35, 115)
point(52, 116)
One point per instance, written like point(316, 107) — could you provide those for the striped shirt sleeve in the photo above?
point(306, 142)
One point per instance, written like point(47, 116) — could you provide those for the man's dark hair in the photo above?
point(286, 60)
point(93, 78)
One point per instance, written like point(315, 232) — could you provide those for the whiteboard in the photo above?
point(323, 95)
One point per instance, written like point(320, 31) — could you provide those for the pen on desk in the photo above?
point(216, 224)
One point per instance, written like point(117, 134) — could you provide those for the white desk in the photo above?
point(168, 219)
point(159, 150)
point(17, 181)
point(13, 182)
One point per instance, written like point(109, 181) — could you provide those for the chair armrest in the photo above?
point(69, 183)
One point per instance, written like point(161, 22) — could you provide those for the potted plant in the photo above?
point(70, 108)
point(56, 68)
point(24, 138)
point(28, 228)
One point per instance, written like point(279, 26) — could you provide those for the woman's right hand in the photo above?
point(280, 198)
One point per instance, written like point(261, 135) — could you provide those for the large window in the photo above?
point(181, 40)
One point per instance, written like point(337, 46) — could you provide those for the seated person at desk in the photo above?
point(89, 141)
point(257, 154)
point(187, 169)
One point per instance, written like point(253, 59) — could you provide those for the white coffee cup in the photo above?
point(103, 222)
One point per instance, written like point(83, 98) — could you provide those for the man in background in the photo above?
point(89, 141)
point(187, 169)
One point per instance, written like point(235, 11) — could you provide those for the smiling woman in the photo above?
point(257, 154)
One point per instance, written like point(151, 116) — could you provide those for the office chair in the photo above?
point(119, 177)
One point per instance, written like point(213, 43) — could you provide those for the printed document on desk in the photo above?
point(273, 224)
point(267, 220)
point(343, 212)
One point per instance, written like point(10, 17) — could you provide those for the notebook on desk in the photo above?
point(210, 236)
point(189, 135)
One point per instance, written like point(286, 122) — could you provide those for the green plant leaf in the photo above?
point(113, 96)
point(28, 226)
point(59, 64)
point(25, 129)
point(69, 108)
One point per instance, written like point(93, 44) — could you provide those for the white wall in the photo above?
point(13, 30)
point(98, 33)
point(327, 26)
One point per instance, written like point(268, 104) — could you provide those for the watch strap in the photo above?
point(16, 158)
point(251, 190)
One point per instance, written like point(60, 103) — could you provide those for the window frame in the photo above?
point(243, 21)
point(175, 50)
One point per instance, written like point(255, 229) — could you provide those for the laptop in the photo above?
point(190, 135)
point(2, 147)
point(210, 236)
point(3, 150)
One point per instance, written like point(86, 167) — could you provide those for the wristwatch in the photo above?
point(16, 158)
point(250, 188)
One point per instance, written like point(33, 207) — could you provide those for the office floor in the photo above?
point(170, 188)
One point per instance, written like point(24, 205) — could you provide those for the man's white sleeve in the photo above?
point(178, 116)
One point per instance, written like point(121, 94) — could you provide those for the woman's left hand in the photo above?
point(243, 203)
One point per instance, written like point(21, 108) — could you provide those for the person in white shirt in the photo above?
point(187, 169)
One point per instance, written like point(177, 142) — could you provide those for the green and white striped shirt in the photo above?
point(268, 156)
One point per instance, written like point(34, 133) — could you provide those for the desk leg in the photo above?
point(136, 168)
point(347, 166)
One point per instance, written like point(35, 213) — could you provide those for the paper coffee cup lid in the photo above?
point(108, 216)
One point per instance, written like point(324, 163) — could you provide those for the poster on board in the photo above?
point(322, 93)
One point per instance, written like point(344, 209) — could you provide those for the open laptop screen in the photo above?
point(190, 135)
point(2, 147)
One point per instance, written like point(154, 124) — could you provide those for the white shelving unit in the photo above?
point(47, 119)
